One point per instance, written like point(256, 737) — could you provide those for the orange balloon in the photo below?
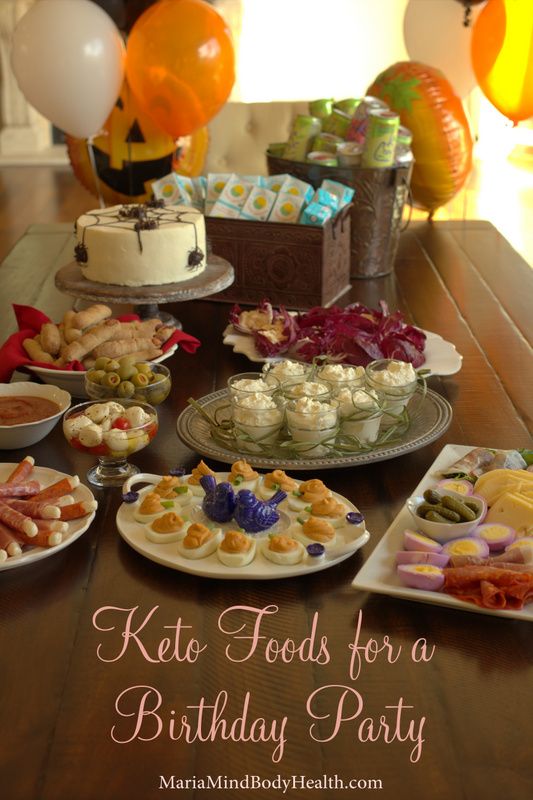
point(442, 144)
point(502, 56)
point(180, 64)
point(132, 152)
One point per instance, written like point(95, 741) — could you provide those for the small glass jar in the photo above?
point(258, 418)
point(285, 370)
point(360, 414)
point(295, 388)
point(310, 422)
point(394, 382)
point(341, 376)
point(247, 383)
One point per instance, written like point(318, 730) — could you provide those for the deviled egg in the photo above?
point(151, 506)
point(170, 487)
point(167, 528)
point(273, 482)
point(330, 510)
point(307, 493)
point(193, 481)
point(314, 530)
point(199, 541)
point(242, 476)
point(236, 549)
point(283, 549)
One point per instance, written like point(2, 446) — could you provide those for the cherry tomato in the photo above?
point(121, 423)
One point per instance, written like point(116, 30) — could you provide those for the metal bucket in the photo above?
point(377, 213)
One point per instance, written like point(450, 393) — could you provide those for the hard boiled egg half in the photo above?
point(167, 528)
point(283, 549)
point(199, 541)
point(236, 549)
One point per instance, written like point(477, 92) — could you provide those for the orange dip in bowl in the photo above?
point(19, 410)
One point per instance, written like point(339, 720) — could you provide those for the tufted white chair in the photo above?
point(240, 134)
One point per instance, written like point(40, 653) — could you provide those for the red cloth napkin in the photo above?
point(29, 321)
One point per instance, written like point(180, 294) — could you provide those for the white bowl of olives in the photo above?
point(128, 379)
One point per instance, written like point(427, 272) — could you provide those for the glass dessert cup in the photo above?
point(339, 376)
point(247, 383)
point(285, 370)
point(257, 420)
point(310, 423)
point(394, 385)
point(113, 440)
point(360, 414)
point(293, 388)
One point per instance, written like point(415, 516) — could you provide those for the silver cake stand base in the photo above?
point(218, 275)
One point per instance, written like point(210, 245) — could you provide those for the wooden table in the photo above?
point(471, 702)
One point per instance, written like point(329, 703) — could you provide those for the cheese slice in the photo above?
point(514, 509)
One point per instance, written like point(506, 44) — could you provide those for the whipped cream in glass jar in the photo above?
point(285, 370)
point(247, 383)
point(340, 376)
point(258, 419)
point(394, 382)
point(360, 414)
point(312, 421)
point(293, 388)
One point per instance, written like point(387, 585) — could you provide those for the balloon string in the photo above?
point(95, 173)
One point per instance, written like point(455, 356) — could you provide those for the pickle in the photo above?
point(431, 496)
point(472, 505)
point(434, 516)
point(446, 513)
point(459, 507)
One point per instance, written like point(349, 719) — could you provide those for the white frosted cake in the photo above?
point(141, 245)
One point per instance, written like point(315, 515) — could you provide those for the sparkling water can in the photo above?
point(380, 139)
point(321, 108)
point(303, 131)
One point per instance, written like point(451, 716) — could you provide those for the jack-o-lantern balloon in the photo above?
point(442, 143)
point(132, 152)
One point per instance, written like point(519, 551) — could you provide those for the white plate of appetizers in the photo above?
point(73, 381)
point(441, 356)
point(76, 527)
point(378, 573)
point(348, 539)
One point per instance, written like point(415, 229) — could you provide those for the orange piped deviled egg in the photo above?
point(283, 549)
point(236, 549)
point(199, 541)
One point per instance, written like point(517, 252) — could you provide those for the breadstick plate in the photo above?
point(74, 382)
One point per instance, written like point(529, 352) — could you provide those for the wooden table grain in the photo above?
point(63, 675)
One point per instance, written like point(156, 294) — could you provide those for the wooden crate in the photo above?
point(299, 266)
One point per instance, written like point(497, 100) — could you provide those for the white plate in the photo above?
point(73, 381)
point(350, 539)
point(441, 356)
point(378, 574)
point(76, 527)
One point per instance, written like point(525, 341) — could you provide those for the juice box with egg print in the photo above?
point(275, 182)
point(258, 204)
point(316, 214)
point(192, 191)
point(226, 212)
point(215, 184)
point(235, 192)
point(169, 190)
point(287, 208)
point(297, 188)
point(344, 193)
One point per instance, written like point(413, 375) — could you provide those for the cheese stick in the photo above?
point(91, 316)
point(22, 470)
point(90, 340)
point(36, 352)
point(50, 338)
point(17, 521)
point(122, 347)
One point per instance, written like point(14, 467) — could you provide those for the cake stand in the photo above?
point(218, 275)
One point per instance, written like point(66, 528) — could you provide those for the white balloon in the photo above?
point(435, 35)
point(68, 58)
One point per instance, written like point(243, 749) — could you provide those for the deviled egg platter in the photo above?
point(239, 524)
